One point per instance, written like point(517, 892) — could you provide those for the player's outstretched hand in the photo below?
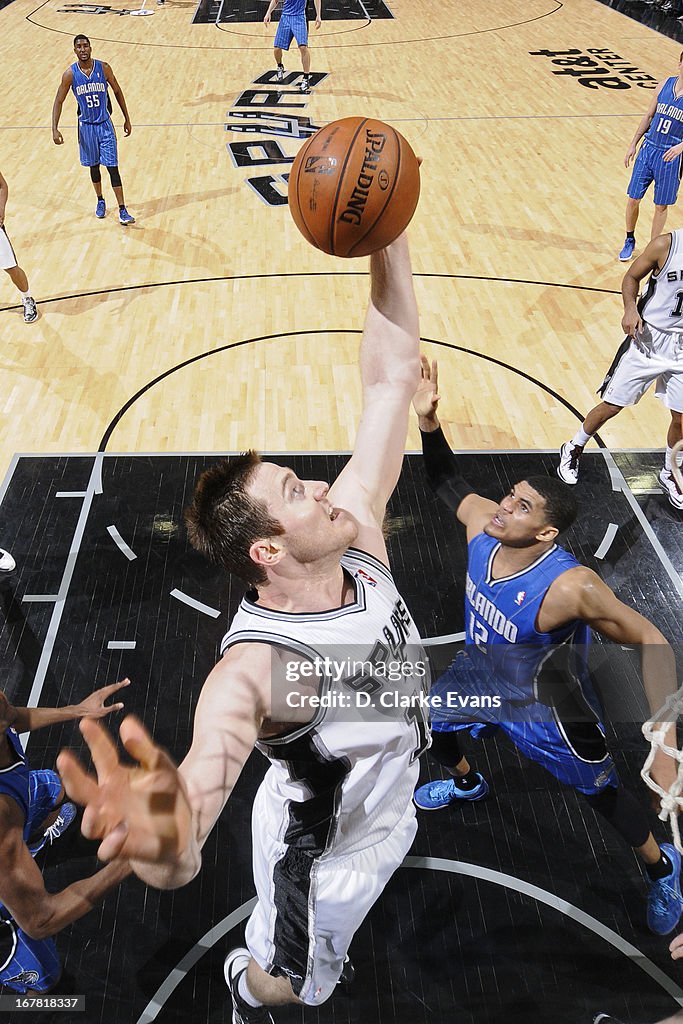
point(139, 812)
point(426, 398)
point(676, 948)
point(94, 707)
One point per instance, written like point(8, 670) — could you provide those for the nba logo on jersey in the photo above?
point(520, 597)
point(367, 578)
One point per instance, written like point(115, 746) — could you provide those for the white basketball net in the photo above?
point(675, 468)
point(654, 731)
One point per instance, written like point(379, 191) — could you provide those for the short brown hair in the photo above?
point(223, 520)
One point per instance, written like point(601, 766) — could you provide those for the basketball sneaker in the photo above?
point(304, 84)
point(101, 208)
point(435, 795)
point(236, 963)
point(7, 563)
point(30, 310)
point(125, 217)
point(627, 251)
point(673, 492)
point(67, 813)
point(280, 72)
point(664, 900)
point(568, 469)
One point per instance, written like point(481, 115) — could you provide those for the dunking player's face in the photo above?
point(520, 519)
point(313, 528)
point(82, 49)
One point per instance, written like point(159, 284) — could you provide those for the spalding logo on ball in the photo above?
point(354, 186)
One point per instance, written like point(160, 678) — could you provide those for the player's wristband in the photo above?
point(441, 467)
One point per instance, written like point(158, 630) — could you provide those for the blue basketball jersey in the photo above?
point(15, 779)
point(92, 93)
point(666, 127)
point(500, 625)
point(292, 8)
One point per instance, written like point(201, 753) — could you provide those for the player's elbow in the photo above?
point(37, 924)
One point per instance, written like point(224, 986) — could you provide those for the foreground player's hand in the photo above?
point(632, 324)
point(127, 127)
point(266, 20)
point(140, 812)
point(672, 153)
point(630, 153)
point(57, 138)
point(426, 397)
point(94, 707)
point(676, 948)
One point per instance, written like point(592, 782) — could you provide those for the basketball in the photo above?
point(354, 186)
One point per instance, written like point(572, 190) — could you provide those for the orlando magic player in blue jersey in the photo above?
point(89, 80)
point(529, 607)
point(659, 158)
point(32, 814)
point(293, 25)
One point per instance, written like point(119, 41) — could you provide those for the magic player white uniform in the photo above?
point(334, 816)
point(657, 353)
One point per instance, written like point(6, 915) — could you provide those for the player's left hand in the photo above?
point(94, 706)
point(127, 127)
point(318, 22)
point(672, 153)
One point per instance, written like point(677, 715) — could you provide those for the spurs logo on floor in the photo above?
point(98, 9)
point(266, 111)
point(594, 68)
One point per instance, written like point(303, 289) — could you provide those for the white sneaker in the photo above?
point(7, 563)
point(568, 469)
point(30, 310)
point(280, 72)
point(671, 488)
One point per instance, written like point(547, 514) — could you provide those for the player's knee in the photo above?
point(115, 177)
point(95, 174)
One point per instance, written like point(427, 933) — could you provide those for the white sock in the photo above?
point(243, 990)
point(26, 295)
point(668, 459)
point(581, 438)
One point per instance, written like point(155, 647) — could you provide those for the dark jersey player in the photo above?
point(32, 813)
point(89, 80)
point(528, 608)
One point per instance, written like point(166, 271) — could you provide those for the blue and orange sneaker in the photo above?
point(435, 795)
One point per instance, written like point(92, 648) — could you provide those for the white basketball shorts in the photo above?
point(7, 257)
point(658, 358)
point(309, 908)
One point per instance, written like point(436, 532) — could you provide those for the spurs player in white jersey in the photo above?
point(652, 352)
point(334, 816)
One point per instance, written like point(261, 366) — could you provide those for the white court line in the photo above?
point(121, 645)
point(617, 475)
point(70, 494)
point(94, 482)
point(40, 597)
point(193, 603)
point(447, 638)
point(456, 867)
point(120, 543)
point(606, 542)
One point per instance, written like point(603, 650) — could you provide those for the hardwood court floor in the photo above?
point(514, 240)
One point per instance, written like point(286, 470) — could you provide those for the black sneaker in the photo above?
point(236, 963)
point(305, 85)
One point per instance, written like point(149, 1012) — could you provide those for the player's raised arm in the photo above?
point(156, 815)
point(440, 463)
point(389, 365)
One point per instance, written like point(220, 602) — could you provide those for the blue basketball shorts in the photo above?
point(575, 752)
point(291, 27)
point(31, 965)
point(97, 144)
point(650, 166)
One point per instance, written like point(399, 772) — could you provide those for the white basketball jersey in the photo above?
point(661, 305)
point(341, 780)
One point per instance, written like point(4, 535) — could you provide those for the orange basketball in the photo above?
point(354, 186)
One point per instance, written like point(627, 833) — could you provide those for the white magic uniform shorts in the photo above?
point(309, 908)
point(7, 257)
point(657, 358)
